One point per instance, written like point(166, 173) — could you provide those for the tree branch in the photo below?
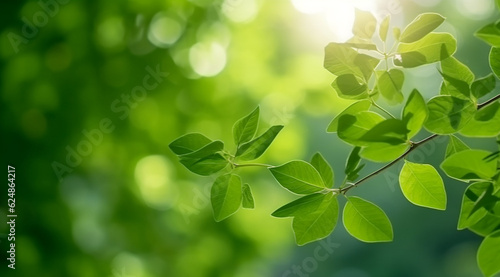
point(412, 147)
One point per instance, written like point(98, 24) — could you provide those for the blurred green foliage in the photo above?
point(128, 208)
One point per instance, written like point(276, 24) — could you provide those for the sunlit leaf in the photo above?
point(245, 128)
point(352, 166)
point(384, 28)
point(495, 60)
point(247, 201)
point(256, 147)
point(488, 255)
point(414, 113)
point(420, 27)
point(389, 84)
point(360, 43)
point(396, 32)
point(483, 86)
point(364, 24)
point(432, 48)
point(352, 127)
point(392, 131)
point(383, 152)
point(324, 169)
point(448, 114)
point(455, 145)
point(298, 177)
point(226, 196)
point(422, 185)
point(457, 78)
point(366, 221)
point(469, 165)
point(490, 34)
point(353, 109)
point(485, 123)
point(349, 87)
point(471, 195)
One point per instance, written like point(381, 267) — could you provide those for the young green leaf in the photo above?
point(469, 165)
point(298, 177)
point(256, 147)
point(483, 86)
point(384, 28)
point(366, 221)
point(364, 24)
point(324, 168)
point(455, 145)
point(205, 166)
point(485, 123)
point(339, 60)
point(361, 43)
point(318, 223)
point(422, 185)
point(486, 225)
point(356, 107)
point(495, 60)
point(414, 113)
point(352, 127)
point(467, 218)
point(302, 206)
point(207, 150)
point(488, 255)
point(351, 167)
point(448, 114)
point(490, 34)
point(226, 196)
point(247, 201)
point(431, 48)
point(349, 87)
point(396, 32)
point(457, 78)
point(188, 143)
point(420, 27)
point(383, 152)
point(389, 84)
point(244, 129)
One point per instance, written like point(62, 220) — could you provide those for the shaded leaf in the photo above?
point(389, 84)
point(392, 131)
point(414, 113)
point(485, 123)
point(188, 143)
point(467, 218)
point(448, 114)
point(483, 86)
point(420, 27)
point(349, 87)
point(247, 201)
point(353, 109)
point(245, 128)
point(495, 60)
point(352, 127)
point(432, 48)
point(351, 167)
point(256, 147)
point(324, 169)
point(490, 34)
point(469, 165)
point(455, 145)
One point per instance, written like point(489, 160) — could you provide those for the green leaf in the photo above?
point(352, 127)
point(256, 147)
point(247, 201)
point(389, 84)
point(498, 4)
point(205, 166)
point(360, 43)
point(422, 185)
point(415, 113)
point(383, 152)
point(206, 160)
point(457, 78)
point(483, 86)
point(495, 60)
point(348, 86)
point(467, 218)
point(490, 34)
point(486, 225)
point(469, 165)
point(396, 32)
point(353, 109)
point(245, 128)
point(485, 123)
point(324, 169)
point(432, 48)
point(384, 28)
point(420, 27)
point(448, 114)
point(318, 223)
point(302, 206)
point(341, 59)
point(188, 143)
point(298, 177)
point(455, 145)
point(364, 24)
point(366, 221)
point(392, 131)
point(352, 165)
point(226, 196)
point(488, 255)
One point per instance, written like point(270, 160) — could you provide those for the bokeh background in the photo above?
point(128, 208)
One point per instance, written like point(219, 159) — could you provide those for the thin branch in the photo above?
point(413, 146)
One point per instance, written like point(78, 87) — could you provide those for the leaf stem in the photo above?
point(382, 109)
point(413, 146)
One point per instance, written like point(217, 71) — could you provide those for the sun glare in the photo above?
point(338, 14)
